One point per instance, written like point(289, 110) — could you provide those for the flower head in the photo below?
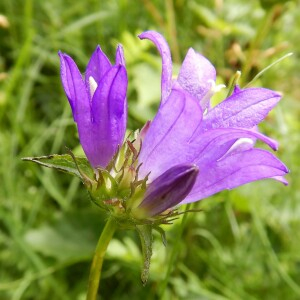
point(219, 141)
point(98, 103)
point(189, 151)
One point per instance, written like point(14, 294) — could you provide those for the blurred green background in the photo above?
point(245, 244)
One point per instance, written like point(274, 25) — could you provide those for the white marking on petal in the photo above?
point(241, 144)
point(93, 85)
point(215, 88)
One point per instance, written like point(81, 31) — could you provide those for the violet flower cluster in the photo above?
point(190, 150)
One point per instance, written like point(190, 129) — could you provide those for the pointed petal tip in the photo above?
point(281, 179)
point(141, 36)
point(120, 58)
point(97, 49)
point(286, 170)
point(151, 35)
point(62, 55)
point(120, 48)
point(67, 58)
point(273, 144)
point(145, 34)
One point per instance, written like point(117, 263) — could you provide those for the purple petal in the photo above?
point(120, 59)
point(168, 189)
point(235, 170)
point(196, 76)
point(166, 142)
point(74, 88)
point(247, 143)
point(98, 65)
point(241, 145)
point(214, 144)
point(244, 109)
point(281, 179)
point(163, 48)
point(101, 140)
point(236, 89)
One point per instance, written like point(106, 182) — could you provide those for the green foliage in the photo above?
point(64, 163)
point(244, 245)
point(145, 233)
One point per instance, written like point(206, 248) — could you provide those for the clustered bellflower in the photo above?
point(188, 152)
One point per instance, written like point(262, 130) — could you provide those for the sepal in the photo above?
point(78, 166)
point(145, 234)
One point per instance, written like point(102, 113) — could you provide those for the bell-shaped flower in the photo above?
point(98, 103)
point(219, 140)
point(189, 151)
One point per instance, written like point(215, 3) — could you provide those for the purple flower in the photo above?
point(215, 146)
point(189, 151)
point(98, 103)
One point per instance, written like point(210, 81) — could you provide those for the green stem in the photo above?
point(174, 253)
point(100, 251)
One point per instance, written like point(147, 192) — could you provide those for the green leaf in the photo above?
point(145, 233)
point(65, 163)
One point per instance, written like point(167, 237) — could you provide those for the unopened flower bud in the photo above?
point(168, 189)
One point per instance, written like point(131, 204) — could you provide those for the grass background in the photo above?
point(246, 242)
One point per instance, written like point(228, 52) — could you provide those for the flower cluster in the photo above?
point(188, 152)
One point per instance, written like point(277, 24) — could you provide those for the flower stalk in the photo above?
point(95, 272)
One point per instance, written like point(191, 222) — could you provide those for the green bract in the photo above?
point(117, 190)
